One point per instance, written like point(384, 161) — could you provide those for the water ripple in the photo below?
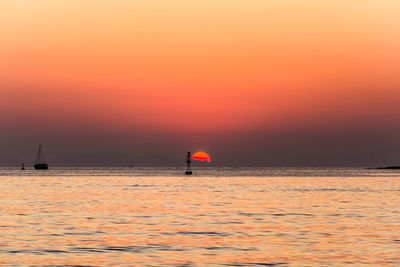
point(222, 217)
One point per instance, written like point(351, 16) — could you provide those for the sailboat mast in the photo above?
point(38, 154)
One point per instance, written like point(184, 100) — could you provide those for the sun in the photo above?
point(202, 156)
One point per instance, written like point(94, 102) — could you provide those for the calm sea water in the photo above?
point(217, 217)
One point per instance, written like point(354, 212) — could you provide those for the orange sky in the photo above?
point(200, 66)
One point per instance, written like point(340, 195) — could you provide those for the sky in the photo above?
point(252, 83)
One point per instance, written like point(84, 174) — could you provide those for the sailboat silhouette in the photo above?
point(40, 163)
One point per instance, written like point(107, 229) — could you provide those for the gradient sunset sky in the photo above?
point(255, 82)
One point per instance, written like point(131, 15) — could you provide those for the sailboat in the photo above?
point(40, 163)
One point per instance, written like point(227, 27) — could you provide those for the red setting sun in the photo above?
point(202, 156)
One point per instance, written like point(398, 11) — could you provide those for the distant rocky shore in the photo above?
point(387, 168)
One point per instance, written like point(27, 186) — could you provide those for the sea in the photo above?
point(216, 217)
